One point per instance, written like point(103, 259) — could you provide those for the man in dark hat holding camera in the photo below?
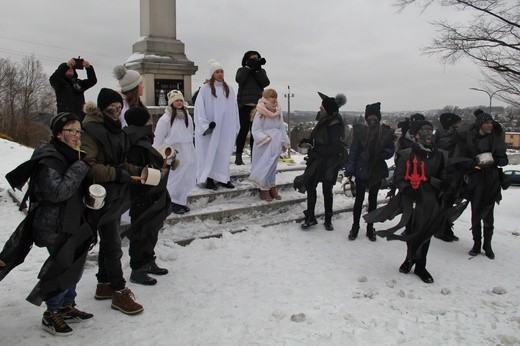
point(251, 79)
point(69, 88)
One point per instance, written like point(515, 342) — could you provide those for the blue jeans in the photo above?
point(65, 298)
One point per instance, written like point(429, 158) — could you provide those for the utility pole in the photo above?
point(289, 95)
point(490, 94)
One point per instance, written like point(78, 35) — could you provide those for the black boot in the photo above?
point(477, 240)
point(488, 235)
point(420, 271)
point(310, 220)
point(353, 232)
point(210, 184)
point(328, 222)
point(238, 159)
point(140, 276)
point(406, 266)
point(371, 232)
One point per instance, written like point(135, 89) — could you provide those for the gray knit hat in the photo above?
point(128, 79)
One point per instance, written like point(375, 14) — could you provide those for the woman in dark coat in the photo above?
point(484, 144)
point(150, 204)
point(325, 158)
point(56, 220)
point(106, 145)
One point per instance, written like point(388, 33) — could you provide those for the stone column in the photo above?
point(157, 55)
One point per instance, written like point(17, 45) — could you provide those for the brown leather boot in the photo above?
point(264, 195)
point(274, 194)
point(103, 291)
point(124, 301)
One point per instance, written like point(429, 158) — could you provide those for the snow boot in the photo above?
point(73, 315)
point(103, 291)
point(140, 276)
point(154, 269)
point(488, 235)
point(310, 220)
point(371, 232)
point(406, 266)
point(328, 222)
point(420, 271)
point(210, 184)
point(353, 232)
point(238, 159)
point(274, 194)
point(124, 301)
point(477, 241)
point(264, 195)
point(54, 323)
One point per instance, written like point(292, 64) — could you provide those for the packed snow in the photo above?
point(279, 285)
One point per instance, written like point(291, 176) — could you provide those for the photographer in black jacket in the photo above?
point(251, 79)
point(69, 88)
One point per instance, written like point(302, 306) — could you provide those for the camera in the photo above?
point(79, 63)
point(261, 61)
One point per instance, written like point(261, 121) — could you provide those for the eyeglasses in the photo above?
point(73, 132)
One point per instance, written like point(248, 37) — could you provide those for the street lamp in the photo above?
point(490, 94)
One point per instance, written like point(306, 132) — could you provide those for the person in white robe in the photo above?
point(270, 139)
point(216, 127)
point(175, 130)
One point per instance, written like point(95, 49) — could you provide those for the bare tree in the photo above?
point(24, 93)
point(491, 39)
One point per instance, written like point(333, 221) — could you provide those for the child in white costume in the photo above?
point(175, 129)
point(270, 139)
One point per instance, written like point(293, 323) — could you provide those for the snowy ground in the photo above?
point(281, 286)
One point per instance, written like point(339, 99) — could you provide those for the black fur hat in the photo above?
point(373, 109)
point(415, 126)
point(417, 117)
point(332, 104)
point(448, 119)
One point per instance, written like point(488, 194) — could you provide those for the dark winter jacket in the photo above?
point(421, 171)
point(370, 147)
point(328, 154)
point(70, 91)
point(56, 218)
point(106, 146)
point(484, 184)
point(56, 186)
point(150, 204)
point(251, 84)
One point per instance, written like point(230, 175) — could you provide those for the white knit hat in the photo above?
point(128, 79)
point(175, 95)
point(214, 65)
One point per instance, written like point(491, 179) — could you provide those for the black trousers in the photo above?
point(326, 188)
point(245, 126)
point(142, 251)
point(360, 198)
point(109, 259)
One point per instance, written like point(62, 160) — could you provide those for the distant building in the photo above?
point(513, 140)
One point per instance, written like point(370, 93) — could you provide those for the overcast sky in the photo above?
point(362, 48)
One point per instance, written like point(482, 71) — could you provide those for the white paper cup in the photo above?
point(96, 197)
point(150, 176)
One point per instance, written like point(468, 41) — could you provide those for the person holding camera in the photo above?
point(251, 79)
point(69, 88)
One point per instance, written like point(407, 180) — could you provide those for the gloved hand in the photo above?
point(210, 128)
point(123, 176)
point(411, 193)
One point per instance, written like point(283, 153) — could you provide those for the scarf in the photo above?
point(110, 124)
point(266, 109)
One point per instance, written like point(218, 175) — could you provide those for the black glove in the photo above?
point(411, 193)
point(210, 128)
point(123, 176)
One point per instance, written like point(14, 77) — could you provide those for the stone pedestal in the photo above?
point(157, 55)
